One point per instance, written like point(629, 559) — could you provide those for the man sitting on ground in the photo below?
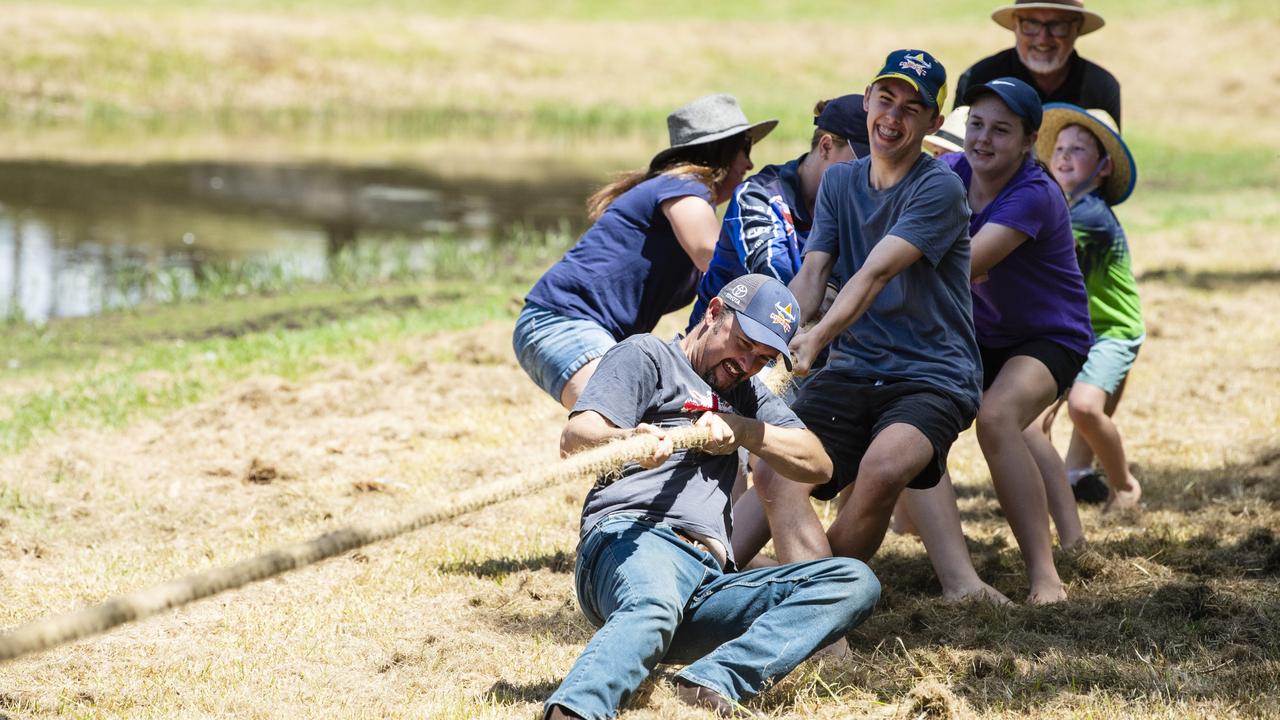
point(655, 569)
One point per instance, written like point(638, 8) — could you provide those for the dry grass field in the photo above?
point(1174, 608)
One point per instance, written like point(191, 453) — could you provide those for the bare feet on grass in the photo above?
point(1047, 593)
point(1072, 545)
point(981, 591)
point(1125, 497)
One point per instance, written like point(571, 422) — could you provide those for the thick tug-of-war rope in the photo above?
point(778, 380)
point(604, 462)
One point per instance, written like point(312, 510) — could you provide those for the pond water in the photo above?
point(78, 239)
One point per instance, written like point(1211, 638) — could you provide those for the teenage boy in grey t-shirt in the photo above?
point(654, 571)
point(904, 375)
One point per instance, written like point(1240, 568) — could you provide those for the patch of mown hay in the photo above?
point(935, 701)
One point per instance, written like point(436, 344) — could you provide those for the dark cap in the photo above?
point(1019, 97)
point(846, 117)
point(921, 71)
point(767, 311)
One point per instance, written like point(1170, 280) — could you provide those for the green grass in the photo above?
point(741, 10)
point(335, 79)
point(109, 369)
point(124, 367)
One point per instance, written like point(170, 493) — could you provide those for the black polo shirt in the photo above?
point(1087, 84)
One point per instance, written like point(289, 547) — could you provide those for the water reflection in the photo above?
point(75, 239)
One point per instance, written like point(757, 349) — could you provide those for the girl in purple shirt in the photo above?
point(1031, 315)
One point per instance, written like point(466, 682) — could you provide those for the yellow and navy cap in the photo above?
point(921, 71)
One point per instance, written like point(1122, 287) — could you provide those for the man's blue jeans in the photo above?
point(657, 598)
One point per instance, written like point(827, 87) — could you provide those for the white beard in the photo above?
point(1042, 67)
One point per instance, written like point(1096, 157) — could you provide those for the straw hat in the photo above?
point(706, 120)
point(950, 137)
point(1092, 20)
point(1124, 172)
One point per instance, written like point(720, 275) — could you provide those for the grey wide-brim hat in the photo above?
point(707, 120)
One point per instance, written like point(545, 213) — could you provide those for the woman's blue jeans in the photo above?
point(656, 598)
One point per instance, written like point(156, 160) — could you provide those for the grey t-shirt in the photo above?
point(920, 326)
point(643, 379)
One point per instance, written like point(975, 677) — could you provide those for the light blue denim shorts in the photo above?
point(551, 347)
point(1109, 361)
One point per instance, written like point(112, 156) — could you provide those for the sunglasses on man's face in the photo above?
point(1056, 28)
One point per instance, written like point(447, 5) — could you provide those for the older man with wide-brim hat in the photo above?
point(1044, 55)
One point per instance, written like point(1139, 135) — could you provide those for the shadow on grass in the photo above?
point(1210, 279)
point(1180, 602)
point(495, 568)
point(1176, 639)
point(1175, 488)
point(505, 693)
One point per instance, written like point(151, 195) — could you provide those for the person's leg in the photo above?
point(1087, 405)
point(1107, 367)
point(746, 630)
point(638, 579)
point(577, 382)
point(750, 526)
point(797, 531)
point(1079, 458)
point(1062, 502)
point(902, 523)
point(1022, 388)
point(558, 353)
point(740, 482)
point(937, 519)
point(897, 454)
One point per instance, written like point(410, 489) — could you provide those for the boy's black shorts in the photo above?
point(846, 412)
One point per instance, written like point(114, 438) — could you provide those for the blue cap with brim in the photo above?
point(1021, 99)
point(921, 71)
point(846, 117)
point(767, 311)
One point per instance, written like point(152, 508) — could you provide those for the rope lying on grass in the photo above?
point(603, 462)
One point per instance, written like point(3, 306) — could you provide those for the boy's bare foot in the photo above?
point(1072, 544)
point(1047, 594)
point(1124, 498)
point(981, 591)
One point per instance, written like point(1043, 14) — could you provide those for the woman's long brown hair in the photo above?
point(708, 163)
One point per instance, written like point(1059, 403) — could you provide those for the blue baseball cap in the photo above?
point(921, 71)
point(1019, 97)
point(846, 117)
point(767, 311)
